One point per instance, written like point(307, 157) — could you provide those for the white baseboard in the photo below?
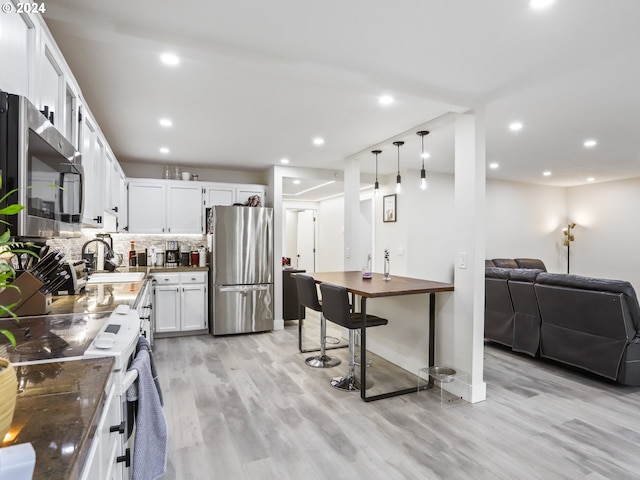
point(278, 324)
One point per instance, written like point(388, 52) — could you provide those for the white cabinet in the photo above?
point(230, 193)
point(146, 206)
point(144, 308)
point(165, 206)
point(184, 207)
point(93, 154)
point(101, 463)
point(180, 302)
point(51, 87)
point(17, 35)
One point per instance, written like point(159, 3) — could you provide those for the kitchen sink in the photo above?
point(115, 277)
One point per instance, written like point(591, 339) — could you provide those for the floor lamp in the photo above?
point(568, 238)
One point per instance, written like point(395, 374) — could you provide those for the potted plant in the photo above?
point(8, 380)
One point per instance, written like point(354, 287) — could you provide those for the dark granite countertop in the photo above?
point(58, 408)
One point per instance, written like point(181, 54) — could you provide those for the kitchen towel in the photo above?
point(150, 445)
point(144, 344)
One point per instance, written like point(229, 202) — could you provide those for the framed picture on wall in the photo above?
point(389, 208)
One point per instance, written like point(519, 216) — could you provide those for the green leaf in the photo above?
point(11, 209)
point(10, 336)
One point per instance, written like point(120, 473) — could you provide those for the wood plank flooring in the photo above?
point(247, 407)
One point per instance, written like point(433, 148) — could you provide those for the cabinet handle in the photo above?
point(97, 219)
point(118, 428)
point(125, 458)
point(144, 334)
point(148, 317)
point(148, 306)
point(115, 209)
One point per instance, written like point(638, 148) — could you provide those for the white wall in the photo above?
point(525, 221)
point(607, 230)
point(329, 255)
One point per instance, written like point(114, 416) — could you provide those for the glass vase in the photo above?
point(386, 269)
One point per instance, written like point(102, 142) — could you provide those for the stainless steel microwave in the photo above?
point(43, 167)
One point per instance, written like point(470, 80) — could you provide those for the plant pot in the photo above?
point(8, 393)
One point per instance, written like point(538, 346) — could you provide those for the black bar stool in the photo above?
point(308, 297)
point(336, 309)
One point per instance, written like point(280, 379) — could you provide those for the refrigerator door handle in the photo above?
point(243, 288)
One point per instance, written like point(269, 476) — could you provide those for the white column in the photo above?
point(274, 195)
point(353, 255)
point(470, 179)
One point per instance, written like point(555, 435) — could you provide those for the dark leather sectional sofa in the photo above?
point(590, 323)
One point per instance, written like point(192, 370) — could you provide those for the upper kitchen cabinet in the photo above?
point(92, 148)
point(184, 208)
point(165, 206)
point(51, 87)
point(17, 38)
point(229, 193)
point(146, 203)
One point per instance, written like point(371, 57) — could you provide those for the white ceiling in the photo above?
point(259, 80)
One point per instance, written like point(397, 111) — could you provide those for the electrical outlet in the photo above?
point(462, 260)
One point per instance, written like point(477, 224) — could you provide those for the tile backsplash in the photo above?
point(72, 247)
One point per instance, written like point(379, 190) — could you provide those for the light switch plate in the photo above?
point(462, 260)
point(399, 251)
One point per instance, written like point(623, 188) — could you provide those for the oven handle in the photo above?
point(128, 380)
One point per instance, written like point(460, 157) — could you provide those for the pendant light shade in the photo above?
point(398, 179)
point(376, 188)
point(423, 172)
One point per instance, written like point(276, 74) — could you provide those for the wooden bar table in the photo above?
point(377, 287)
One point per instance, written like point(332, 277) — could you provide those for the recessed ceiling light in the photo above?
point(318, 141)
point(426, 155)
point(590, 143)
point(296, 182)
point(170, 59)
point(284, 161)
point(591, 179)
point(540, 4)
point(164, 150)
point(494, 165)
point(547, 173)
point(165, 122)
point(515, 126)
point(385, 100)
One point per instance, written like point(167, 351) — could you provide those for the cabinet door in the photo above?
point(166, 308)
point(50, 87)
point(194, 307)
point(246, 191)
point(146, 208)
point(219, 195)
point(92, 157)
point(17, 34)
point(184, 206)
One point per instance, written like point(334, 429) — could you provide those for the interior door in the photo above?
point(306, 241)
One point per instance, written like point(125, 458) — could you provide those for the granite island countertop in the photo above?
point(58, 408)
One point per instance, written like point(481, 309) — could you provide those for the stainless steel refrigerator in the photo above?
point(240, 240)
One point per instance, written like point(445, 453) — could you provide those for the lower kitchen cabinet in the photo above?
point(180, 302)
point(144, 307)
point(102, 461)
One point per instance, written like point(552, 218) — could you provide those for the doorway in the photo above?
point(301, 238)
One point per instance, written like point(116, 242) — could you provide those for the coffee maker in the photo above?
point(172, 253)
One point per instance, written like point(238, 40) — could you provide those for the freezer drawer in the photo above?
point(242, 308)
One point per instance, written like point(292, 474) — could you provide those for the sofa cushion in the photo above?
point(524, 274)
point(489, 263)
point(505, 263)
point(496, 272)
point(531, 263)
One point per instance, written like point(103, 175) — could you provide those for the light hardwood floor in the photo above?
point(247, 407)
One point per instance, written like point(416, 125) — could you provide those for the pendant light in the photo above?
point(398, 179)
point(423, 172)
point(376, 188)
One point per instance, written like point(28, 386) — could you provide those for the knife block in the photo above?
point(25, 298)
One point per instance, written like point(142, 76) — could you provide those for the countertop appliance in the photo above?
point(34, 154)
point(241, 244)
